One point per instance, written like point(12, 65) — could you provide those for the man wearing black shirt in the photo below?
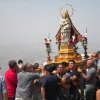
point(50, 85)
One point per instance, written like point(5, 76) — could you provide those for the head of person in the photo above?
point(36, 65)
point(62, 67)
point(20, 62)
point(13, 65)
point(48, 68)
point(54, 66)
point(93, 55)
point(72, 64)
point(36, 68)
point(98, 54)
point(28, 67)
point(89, 63)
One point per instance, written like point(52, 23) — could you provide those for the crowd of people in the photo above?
point(63, 81)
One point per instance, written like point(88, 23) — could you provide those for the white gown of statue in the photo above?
point(65, 25)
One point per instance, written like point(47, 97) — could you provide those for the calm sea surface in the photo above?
point(28, 53)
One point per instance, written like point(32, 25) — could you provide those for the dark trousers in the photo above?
point(90, 92)
point(11, 98)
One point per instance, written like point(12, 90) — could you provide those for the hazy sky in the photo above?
point(30, 21)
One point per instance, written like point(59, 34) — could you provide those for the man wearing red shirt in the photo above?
point(11, 79)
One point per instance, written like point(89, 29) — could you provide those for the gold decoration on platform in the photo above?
point(67, 53)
